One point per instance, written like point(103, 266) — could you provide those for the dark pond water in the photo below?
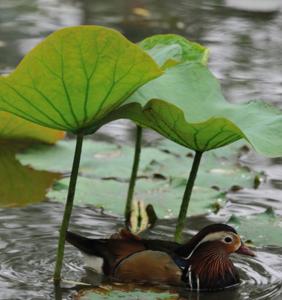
point(245, 43)
point(28, 248)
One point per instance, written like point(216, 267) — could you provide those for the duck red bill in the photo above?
point(245, 250)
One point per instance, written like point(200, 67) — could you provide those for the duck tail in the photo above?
point(85, 245)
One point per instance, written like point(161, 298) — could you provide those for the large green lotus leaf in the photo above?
point(76, 76)
point(167, 50)
point(164, 195)
point(170, 49)
point(21, 185)
point(15, 128)
point(263, 229)
point(188, 107)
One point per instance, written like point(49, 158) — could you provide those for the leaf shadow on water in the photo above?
point(21, 185)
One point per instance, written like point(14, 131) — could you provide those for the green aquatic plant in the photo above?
point(167, 50)
point(134, 171)
point(70, 82)
point(186, 105)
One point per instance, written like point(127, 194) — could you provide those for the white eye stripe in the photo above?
point(215, 236)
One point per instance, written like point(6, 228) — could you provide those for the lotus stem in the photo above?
point(58, 291)
point(68, 209)
point(187, 196)
point(134, 171)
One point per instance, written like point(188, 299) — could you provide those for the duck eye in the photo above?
point(228, 240)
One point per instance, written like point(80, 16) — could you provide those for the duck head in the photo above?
point(205, 258)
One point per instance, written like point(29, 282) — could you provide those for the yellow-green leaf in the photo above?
point(75, 77)
point(15, 128)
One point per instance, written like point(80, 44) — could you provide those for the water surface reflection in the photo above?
point(28, 254)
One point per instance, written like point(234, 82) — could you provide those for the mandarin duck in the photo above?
point(201, 264)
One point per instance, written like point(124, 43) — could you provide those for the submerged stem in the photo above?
point(68, 209)
point(187, 196)
point(133, 172)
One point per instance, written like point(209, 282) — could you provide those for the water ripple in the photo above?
point(28, 258)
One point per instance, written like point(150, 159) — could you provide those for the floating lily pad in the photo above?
point(128, 295)
point(166, 160)
point(230, 152)
point(58, 158)
point(110, 194)
point(99, 159)
point(164, 168)
point(126, 292)
point(263, 229)
point(219, 168)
